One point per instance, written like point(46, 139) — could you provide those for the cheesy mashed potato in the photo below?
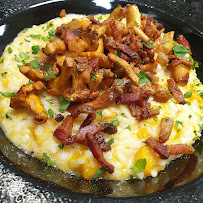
point(128, 145)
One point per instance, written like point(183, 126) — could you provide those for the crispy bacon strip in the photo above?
point(177, 149)
point(27, 97)
point(98, 154)
point(181, 40)
point(101, 141)
point(158, 147)
point(173, 87)
point(166, 128)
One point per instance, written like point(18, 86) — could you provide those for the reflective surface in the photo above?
point(20, 186)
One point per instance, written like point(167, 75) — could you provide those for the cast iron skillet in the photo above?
point(98, 191)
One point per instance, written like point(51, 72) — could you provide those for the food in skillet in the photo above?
point(109, 96)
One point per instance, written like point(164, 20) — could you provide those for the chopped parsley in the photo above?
point(30, 82)
point(111, 141)
point(143, 77)
point(100, 18)
point(61, 146)
point(103, 122)
point(50, 101)
point(35, 36)
point(196, 63)
point(118, 52)
point(94, 76)
point(10, 50)
point(201, 94)
point(123, 114)
point(117, 64)
point(177, 123)
point(26, 40)
point(1, 60)
point(50, 75)
point(50, 113)
point(149, 44)
point(200, 106)
point(91, 41)
point(164, 41)
point(139, 166)
point(51, 24)
point(190, 116)
point(188, 103)
point(44, 38)
point(8, 117)
point(17, 59)
point(104, 72)
point(7, 94)
point(49, 161)
point(35, 64)
point(35, 49)
point(64, 104)
point(128, 128)
point(100, 171)
point(188, 94)
point(201, 127)
point(24, 56)
point(3, 74)
point(47, 66)
point(99, 113)
point(155, 118)
point(180, 50)
point(118, 5)
point(136, 23)
point(115, 122)
point(25, 30)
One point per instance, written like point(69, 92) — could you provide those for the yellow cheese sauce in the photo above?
point(128, 146)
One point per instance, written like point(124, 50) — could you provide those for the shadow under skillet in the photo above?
point(16, 185)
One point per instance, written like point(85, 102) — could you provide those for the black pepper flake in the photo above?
point(59, 117)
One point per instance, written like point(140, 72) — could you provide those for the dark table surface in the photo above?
point(16, 187)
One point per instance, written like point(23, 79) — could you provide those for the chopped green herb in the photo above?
point(196, 63)
point(24, 56)
point(136, 23)
point(177, 123)
point(49, 161)
point(99, 113)
point(199, 148)
point(201, 127)
point(10, 50)
point(143, 77)
point(47, 66)
point(7, 94)
point(201, 94)
point(26, 40)
point(8, 117)
point(50, 101)
point(104, 73)
point(180, 50)
point(128, 128)
point(188, 103)
point(164, 41)
point(25, 30)
point(123, 114)
point(3, 74)
point(131, 179)
point(195, 138)
point(50, 75)
point(159, 107)
point(94, 76)
point(35, 64)
point(61, 146)
point(141, 14)
point(99, 172)
point(118, 52)
point(17, 59)
point(188, 94)
point(30, 82)
point(155, 118)
point(51, 24)
point(91, 42)
point(119, 82)
point(149, 44)
point(44, 38)
point(1, 60)
point(35, 36)
point(139, 166)
point(115, 122)
point(103, 122)
point(50, 113)
point(73, 75)
point(64, 104)
point(190, 116)
point(118, 5)
point(111, 141)
point(200, 106)
point(117, 64)
point(100, 18)
point(35, 49)
point(89, 200)
point(172, 100)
